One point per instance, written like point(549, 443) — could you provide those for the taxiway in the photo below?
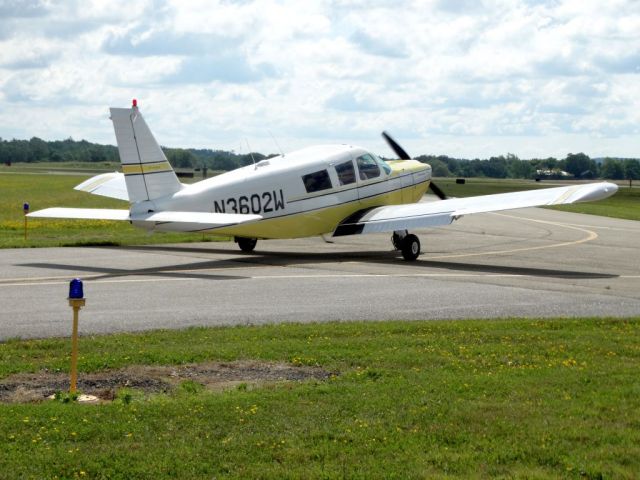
point(531, 263)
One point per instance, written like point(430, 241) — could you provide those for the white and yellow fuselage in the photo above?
point(281, 191)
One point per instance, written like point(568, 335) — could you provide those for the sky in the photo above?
point(464, 78)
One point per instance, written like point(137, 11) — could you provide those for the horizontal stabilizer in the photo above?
point(169, 221)
point(440, 213)
point(110, 185)
point(162, 221)
point(82, 213)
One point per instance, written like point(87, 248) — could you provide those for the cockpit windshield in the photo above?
point(382, 163)
point(369, 166)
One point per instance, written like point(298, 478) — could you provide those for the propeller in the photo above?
point(399, 151)
point(403, 155)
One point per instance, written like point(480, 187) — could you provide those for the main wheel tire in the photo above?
point(410, 247)
point(246, 244)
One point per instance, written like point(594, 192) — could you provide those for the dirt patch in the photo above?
point(33, 387)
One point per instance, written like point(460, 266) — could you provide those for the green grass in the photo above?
point(43, 191)
point(624, 204)
point(457, 399)
point(62, 167)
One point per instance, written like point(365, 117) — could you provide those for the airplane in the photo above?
point(324, 190)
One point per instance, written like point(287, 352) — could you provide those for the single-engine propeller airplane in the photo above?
point(321, 190)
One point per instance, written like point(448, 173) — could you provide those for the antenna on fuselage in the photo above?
point(255, 167)
point(276, 142)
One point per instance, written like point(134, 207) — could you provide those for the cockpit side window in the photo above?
point(317, 181)
point(368, 167)
point(346, 173)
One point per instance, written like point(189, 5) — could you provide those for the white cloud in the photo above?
point(465, 78)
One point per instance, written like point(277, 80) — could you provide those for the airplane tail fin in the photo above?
point(147, 172)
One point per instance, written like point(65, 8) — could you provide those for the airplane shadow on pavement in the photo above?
point(234, 260)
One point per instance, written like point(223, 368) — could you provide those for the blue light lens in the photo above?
point(75, 288)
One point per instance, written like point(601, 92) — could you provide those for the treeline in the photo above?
point(38, 150)
point(576, 165)
point(69, 150)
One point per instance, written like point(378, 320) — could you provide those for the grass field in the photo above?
point(47, 190)
point(91, 168)
point(457, 399)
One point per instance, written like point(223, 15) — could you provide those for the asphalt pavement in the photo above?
point(525, 263)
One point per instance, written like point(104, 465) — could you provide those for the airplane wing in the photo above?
point(107, 184)
point(440, 213)
point(199, 220)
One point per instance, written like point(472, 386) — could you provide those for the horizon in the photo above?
point(270, 153)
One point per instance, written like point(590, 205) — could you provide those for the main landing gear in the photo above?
point(407, 243)
point(246, 244)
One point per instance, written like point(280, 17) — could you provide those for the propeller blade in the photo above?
point(436, 189)
point(403, 155)
point(399, 151)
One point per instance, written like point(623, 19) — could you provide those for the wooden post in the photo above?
point(76, 304)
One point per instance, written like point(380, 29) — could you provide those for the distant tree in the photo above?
point(442, 166)
point(97, 154)
point(470, 168)
point(631, 170)
point(39, 150)
point(249, 158)
point(223, 162)
point(180, 158)
point(453, 164)
point(580, 165)
point(517, 168)
point(439, 168)
point(551, 163)
point(495, 167)
point(612, 169)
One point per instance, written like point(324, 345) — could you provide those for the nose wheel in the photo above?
point(407, 243)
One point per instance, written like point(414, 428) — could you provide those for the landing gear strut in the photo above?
point(397, 237)
point(407, 243)
point(246, 244)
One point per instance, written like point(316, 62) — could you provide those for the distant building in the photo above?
point(552, 173)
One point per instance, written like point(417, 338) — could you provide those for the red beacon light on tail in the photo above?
point(134, 103)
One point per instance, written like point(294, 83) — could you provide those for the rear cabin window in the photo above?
point(346, 173)
point(368, 167)
point(317, 181)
